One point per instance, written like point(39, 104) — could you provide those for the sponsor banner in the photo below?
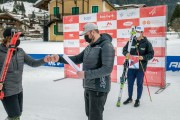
point(107, 16)
point(113, 33)
point(123, 33)
point(155, 76)
point(71, 51)
point(157, 62)
point(127, 23)
point(159, 51)
point(118, 25)
point(120, 60)
point(121, 42)
point(70, 19)
point(71, 27)
point(119, 51)
point(71, 35)
point(153, 11)
point(153, 21)
point(128, 14)
point(85, 18)
point(157, 41)
point(173, 63)
point(52, 64)
point(155, 32)
point(114, 74)
point(83, 43)
point(107, 25)
point(71, 43)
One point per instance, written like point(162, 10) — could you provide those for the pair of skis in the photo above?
point(12, 47)
point(123, 78)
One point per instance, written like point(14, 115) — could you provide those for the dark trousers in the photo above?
point(94, 104)
point(13, 105)
point(132, 75)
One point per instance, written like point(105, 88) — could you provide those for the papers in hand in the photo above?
point(71, 63)
point(134, 62)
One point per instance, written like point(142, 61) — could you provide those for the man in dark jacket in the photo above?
point(144, 47)
point(98, 60)
point(12, 87)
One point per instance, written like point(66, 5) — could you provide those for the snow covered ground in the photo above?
point(45, 99)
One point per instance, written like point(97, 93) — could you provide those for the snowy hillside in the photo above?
point(28, 6)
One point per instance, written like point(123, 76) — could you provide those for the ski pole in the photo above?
point(143, 72)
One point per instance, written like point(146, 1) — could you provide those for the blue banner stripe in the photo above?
point(53, 64)
point(173, 62)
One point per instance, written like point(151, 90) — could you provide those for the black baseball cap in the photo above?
point(9, 32)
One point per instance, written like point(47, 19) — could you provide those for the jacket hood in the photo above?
point(106, 36)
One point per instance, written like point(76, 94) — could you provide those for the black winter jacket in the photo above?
point(98, 61)
point(145, 49)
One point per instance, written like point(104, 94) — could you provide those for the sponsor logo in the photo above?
point(106, 16)
point(70, 20)
point(54, 63)
point(153, 42)
point(152, 73)
point(146, 22)
point(111, 33)
point(142, 48)
point(132, 13)
point(153, 31)
point(159, 22)
point(71, 35)
point(174, 65)
point(108, 25)
point(70, 27)
point(152, 12)
point(127, 23)
point(87, 18)
point(154, 61)
point(128, 14)
point(71, 43)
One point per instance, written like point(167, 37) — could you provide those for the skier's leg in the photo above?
point(20, 98)
point(11, 105)
point(130, 78)
point(140, 78)
point(86, 99)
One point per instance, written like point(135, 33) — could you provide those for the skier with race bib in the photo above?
point(141, 49)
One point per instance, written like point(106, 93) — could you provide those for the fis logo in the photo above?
point(71, 20)
point(174, 65)
point(152, 12)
